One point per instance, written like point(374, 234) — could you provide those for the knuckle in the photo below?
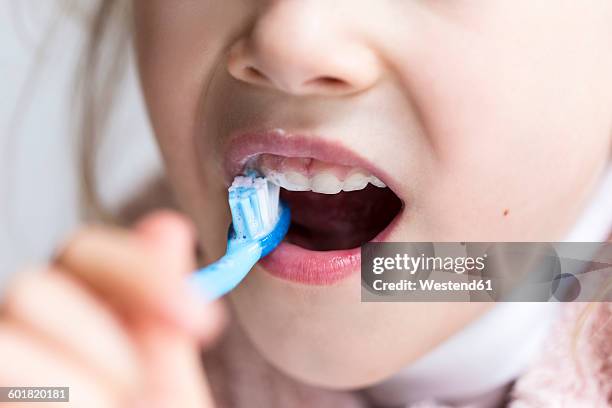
point(78, 240)
point(95, 250)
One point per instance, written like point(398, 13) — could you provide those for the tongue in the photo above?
point(324, 222)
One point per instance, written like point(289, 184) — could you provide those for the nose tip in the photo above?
point(289, 53)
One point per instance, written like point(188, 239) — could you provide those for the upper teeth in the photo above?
point(322, 182)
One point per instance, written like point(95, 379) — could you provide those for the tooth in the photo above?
point(293, 174)
point(292, 181)
point(274, 177)
point(326, 183)
point(295, 181)
point(356, 181)
point(376, 181)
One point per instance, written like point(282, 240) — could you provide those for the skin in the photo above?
point(116, 339)
point(487, 115)
point(492, 117)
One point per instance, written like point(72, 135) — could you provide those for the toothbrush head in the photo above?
point(257, 212)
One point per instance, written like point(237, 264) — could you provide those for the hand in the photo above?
point(113, 319)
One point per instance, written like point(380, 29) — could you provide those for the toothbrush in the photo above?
point(260, 221)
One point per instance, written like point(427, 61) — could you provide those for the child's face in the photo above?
point(489, 119)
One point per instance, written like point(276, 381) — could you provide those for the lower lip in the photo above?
point(320, 268)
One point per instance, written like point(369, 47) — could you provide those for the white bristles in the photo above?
point(273, 196)
point(254, 206)
point(242, 181)
point(263, 202)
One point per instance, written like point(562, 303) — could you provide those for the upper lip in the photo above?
point(241, 146)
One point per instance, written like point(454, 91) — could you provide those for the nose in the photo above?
point(299, 48)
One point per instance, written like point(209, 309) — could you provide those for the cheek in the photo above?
point(174, 62)
point(178, 46)
point(515, 124)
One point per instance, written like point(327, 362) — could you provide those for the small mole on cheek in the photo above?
point(506, 212)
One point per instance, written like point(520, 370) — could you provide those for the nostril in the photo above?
point(331, 81)
point(328, 82)
point(255, 74)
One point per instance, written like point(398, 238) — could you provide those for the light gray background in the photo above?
point(39, 46)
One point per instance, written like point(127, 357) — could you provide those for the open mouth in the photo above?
point(341, 221)
point(333, 206)
point(337, 204)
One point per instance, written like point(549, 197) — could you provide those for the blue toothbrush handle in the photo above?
point(220, 277)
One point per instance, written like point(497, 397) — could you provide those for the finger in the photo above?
point(126, 271)
point(27, 363)
point(60, 312)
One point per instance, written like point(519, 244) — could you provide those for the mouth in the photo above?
point(339, 201)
